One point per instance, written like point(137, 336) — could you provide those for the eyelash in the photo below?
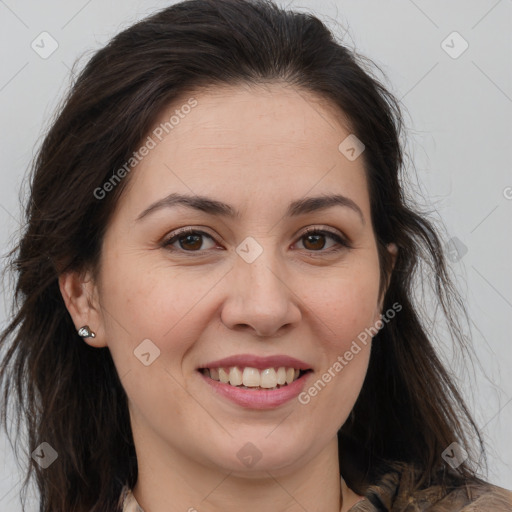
point(342, 242)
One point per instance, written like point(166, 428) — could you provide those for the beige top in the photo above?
point(393, 494)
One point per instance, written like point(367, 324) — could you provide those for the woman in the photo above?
point(215, 285)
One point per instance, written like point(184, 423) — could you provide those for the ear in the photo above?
point(80, 295)
point(393, 251)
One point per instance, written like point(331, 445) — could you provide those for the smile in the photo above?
point(255, 396)
point(253, 378)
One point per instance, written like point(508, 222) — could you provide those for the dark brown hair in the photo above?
point(69, 393)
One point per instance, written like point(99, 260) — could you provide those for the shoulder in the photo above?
point(395, 492)
point(470, 497)
point(495, 498)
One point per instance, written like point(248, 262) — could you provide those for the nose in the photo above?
point(260, 298)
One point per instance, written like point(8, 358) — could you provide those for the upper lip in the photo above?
point(261, 363)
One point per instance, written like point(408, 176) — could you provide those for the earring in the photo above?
point(85, 332)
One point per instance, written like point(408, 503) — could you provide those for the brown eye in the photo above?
point(315, 240)
point(189, 240)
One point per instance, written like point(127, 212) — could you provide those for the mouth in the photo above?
point(255, 379)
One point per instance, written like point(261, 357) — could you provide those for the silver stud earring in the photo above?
point(85, 332)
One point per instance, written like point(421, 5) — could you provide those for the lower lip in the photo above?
point(258, 399)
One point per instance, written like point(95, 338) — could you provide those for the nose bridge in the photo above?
point(258, 262)
point(262, 279)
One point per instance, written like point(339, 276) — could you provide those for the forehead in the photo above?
point(249, 115)
point(247, 142)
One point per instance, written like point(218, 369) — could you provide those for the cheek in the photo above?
point(143, 300)
point(345, 316)
point(346, 306)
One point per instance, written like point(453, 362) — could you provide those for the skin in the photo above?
point(257, 149)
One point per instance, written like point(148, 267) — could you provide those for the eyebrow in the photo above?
point(214, 207)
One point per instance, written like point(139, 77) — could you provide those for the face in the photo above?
point(267, 274)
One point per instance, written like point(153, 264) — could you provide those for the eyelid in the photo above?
point(324, 229)
point(188, 229)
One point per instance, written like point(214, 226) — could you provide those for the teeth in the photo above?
point(281, 376)
point(235, 376)
point(223, 375)
point(250, 378)
point(269, 378)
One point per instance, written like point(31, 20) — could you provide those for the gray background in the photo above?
point(459, 112)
